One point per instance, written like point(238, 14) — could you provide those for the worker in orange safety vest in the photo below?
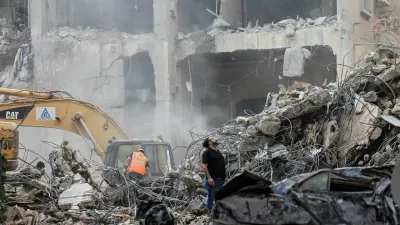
point(137, 165)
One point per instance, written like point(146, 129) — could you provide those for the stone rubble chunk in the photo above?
point(290, 30)
point(242, 120)
point(63, 33)
point(311, 103)
point(77, 194)
point(320, 21)
point(362, 127)
point(359, 104)
point(310, 21)
point(294, 61)
point(379, 68)
point(278, 151)
point(284, 23)
point(376, 134)
point(396, 109)
point(233, 129)
point(269, 125)
point(372, 57)
point(306, 53)
point(370, 96)
point(388, 75)
point(252, 130)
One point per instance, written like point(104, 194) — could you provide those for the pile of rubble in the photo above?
point(305, 128)
point(302, 129)
point(88, 33)
point(290, 26)
point(76, 192)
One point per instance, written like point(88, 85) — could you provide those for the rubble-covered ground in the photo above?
point(303, 128)
point(78, 192)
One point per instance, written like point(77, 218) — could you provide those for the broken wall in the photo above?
point(267, 11)
point(132, 16)
point(192, 14)
point(89, 64)
point(226, 85)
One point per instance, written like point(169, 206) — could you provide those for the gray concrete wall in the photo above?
point(89, 64)
point(231, 11)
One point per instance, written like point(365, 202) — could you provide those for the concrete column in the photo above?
point(37, 17)
point(165, 30)
point(231, 11)
point(345, 54)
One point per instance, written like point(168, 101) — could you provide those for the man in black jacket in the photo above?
point(213, 165)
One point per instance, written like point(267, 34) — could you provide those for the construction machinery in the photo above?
point(59, 110)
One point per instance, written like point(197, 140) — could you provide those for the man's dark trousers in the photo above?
point(210, 191)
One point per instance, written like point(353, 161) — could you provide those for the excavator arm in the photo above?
point(60, 110)
point(71, 115)
point(51, 110)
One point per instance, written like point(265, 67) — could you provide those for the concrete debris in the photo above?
point(77, 194)
point(336, 125)
point(372, 57)
point(269, 125)
point(359, 104)
point(370, 96)
point(305, 127)
point(252, 130)
point(331, 132)
point(278, 151)
point(290, 30)
point(388, 75)
point(88, 33)
point(320, 21)
point(294, 61)
point(379, 68)
point(289, 26)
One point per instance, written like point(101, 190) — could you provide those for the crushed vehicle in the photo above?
point(353, 195)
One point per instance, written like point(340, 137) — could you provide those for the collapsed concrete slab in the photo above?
point(357, 130)
point(269, 125)
point(77, 194)
point(311, 103)
point(294, 60)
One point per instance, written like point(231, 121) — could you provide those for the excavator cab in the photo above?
point(9, 144)
point(158, 153)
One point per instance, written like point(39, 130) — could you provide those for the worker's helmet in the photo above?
point(141, 150)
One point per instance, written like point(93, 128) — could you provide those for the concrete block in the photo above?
point(294, 61)
point(76, 194)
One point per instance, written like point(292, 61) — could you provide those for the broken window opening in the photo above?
point(131, 16)
point(227, 85)
point(140, 91)
point(248, 107)
point(192, 14)
point(17, 12)
point(268, 11)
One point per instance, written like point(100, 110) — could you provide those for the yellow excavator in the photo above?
point(59, 110)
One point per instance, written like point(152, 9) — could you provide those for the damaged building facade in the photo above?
point(165, 67)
